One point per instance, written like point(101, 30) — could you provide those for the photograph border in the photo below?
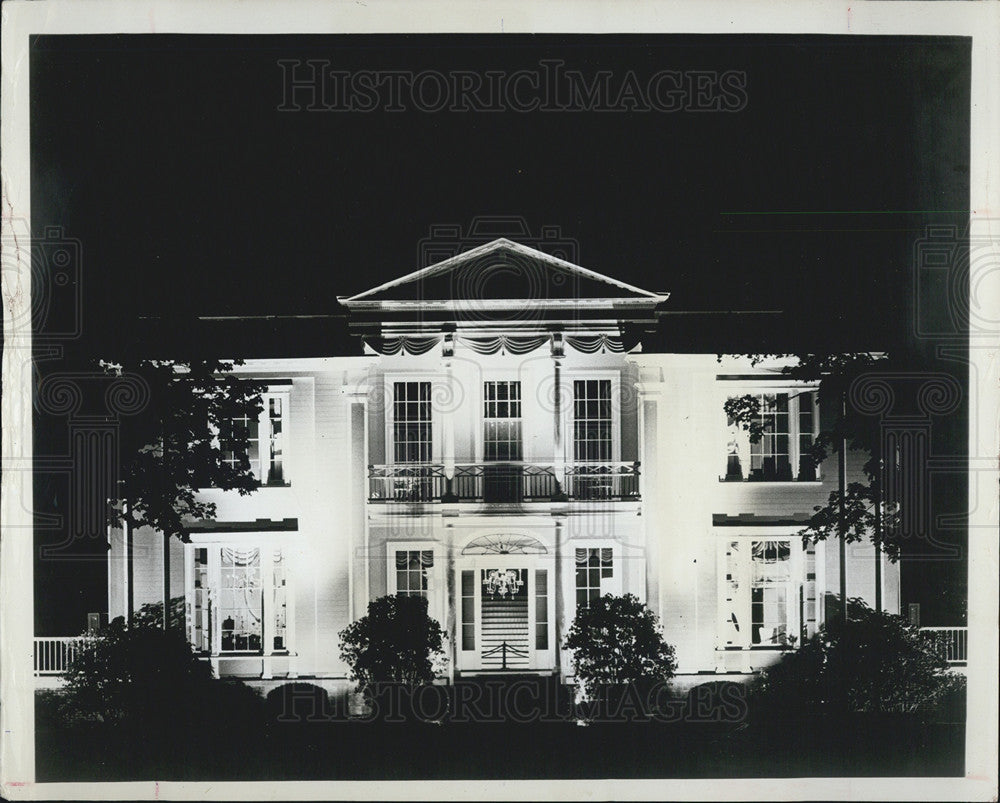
point(21, 20)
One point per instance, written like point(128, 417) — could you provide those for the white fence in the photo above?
point(53, 653)
point(955, 641)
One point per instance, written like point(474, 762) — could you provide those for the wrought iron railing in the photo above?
point(511, 481)
point(503, 650)
point(953, 641)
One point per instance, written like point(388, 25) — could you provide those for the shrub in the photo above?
point(396, 642)
point(615, 641)
point(139, 675)
point(877, 662)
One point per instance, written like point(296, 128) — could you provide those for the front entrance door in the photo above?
point(505, 611)
point(503, 608)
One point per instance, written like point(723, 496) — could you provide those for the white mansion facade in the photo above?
point(504, 447)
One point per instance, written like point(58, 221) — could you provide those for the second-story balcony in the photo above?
point(503, 482)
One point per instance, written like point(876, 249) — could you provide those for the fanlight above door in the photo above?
point(505, 544)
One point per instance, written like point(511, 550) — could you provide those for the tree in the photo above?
point(396, 642)
point(617, 640)
point(170, 445)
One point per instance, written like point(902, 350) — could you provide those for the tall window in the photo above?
point(593, 566)
point(275, 440)
point(592, 423)
point(769, 593)
point(240, 600)
point(541, 609)
point(279, 602)
point(411, 422)
point(411, 571)
point(258, 442)
point(239, 440)
point(502, 421)
point(468, 610)
point(201, 622)
point(788, 427)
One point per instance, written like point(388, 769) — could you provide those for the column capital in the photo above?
point(557, 346)
point(357, 394)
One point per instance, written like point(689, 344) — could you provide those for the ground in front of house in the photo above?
point(546, 742)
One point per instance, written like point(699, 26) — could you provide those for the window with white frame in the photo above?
point(594, 571)
point(241, 601)
point(259, 442)
point(502, 421)
point(238, 599)
point(768, 593)
point(787, 422)
point(411, 422)
point(412, 566)
point(592, 420)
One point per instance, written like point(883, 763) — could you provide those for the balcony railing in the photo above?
point(502, 482)
point(954, 642)
point(54, 653)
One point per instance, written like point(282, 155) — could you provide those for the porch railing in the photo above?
point(54, 653)
point(954, 641)
point(511, 481)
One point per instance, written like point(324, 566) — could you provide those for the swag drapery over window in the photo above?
point(412, 566)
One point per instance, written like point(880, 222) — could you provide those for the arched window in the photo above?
point(505, 544)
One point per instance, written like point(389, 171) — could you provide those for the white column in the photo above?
point(559, 455)
point(448, 420)
point(647, 396)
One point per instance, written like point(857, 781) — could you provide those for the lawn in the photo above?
point(557, 747)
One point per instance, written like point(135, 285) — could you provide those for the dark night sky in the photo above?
point(193, 195)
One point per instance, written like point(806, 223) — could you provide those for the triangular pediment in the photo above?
point(501, 273)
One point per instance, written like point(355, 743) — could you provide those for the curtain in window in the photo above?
point(411, 559)
point(236, 556)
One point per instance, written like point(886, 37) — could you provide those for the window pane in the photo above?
point(241, 603)
point(541, 610)
point(592, 424)
point(468, 610)
point(502, 425)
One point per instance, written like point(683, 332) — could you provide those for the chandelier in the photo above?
point(502, 582)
